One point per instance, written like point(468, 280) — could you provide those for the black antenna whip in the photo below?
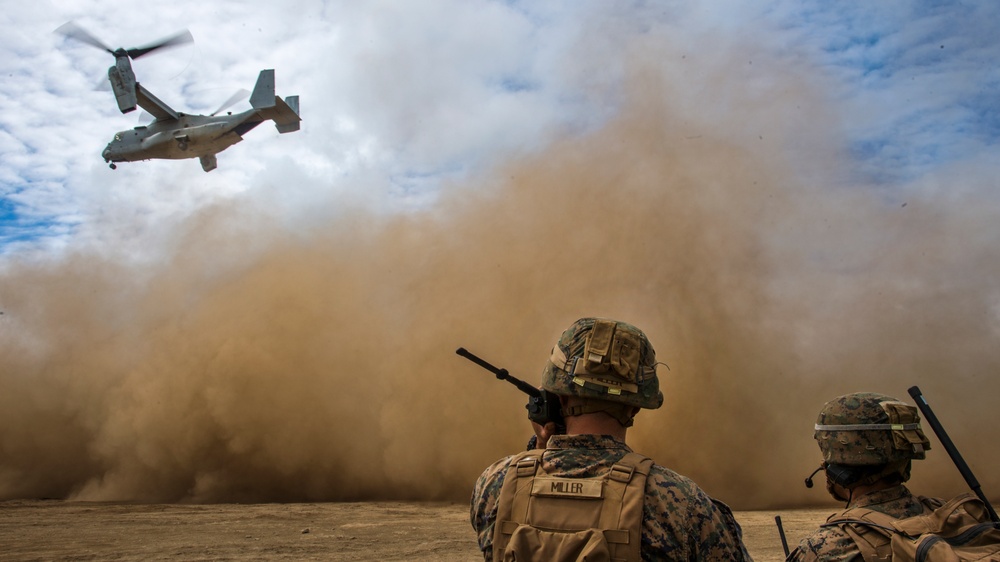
point(956, 457)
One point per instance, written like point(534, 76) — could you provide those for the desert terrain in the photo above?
point(58, 530)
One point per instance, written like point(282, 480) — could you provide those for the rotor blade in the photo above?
point(74, 31)
point(238, 96)
point(103, 86)
point(172, 41)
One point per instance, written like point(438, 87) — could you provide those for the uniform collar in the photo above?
point(881, 496)
point(587, 442)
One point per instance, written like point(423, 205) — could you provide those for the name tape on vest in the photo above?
point(566, 487)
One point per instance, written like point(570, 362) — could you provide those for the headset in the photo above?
point(840, 474)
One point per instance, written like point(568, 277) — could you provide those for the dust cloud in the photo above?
point(253, 363)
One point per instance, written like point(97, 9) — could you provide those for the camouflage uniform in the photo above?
point(878, 433)
point(679, 521)
point(829, 544)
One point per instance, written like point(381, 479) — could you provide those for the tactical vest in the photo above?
point(552, 518)
point(955, 531)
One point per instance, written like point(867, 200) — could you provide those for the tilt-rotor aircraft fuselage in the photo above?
point(174, 135)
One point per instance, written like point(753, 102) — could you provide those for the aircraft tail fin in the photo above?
point(263, 93)
point(285, 113)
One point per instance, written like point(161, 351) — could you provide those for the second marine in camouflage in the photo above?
point(868, 441)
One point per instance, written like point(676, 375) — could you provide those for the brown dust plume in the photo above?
point(259, 364)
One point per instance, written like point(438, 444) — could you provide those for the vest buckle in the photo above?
point(621, 473)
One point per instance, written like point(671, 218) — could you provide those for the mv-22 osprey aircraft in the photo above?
point(175, 135)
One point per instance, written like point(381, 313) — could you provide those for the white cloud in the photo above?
point(406, 94)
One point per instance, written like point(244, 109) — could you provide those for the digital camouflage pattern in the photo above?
point(679, 521)
point(833, 544)
point(605, 360)
point(877, 446)
point(872, 430)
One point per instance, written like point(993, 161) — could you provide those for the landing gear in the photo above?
point(183, 145)
point(113, 166)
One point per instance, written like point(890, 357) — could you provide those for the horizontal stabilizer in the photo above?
point(285, 113)
point(293, 103)
point(287, 117)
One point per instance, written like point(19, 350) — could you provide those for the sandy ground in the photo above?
point(56, 530)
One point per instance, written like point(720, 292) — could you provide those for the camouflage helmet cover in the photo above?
point(867, 428)
point(605, 360)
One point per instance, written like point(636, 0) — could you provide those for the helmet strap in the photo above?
point(863, 476)
point(621, 412)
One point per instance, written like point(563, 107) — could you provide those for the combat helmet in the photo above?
point(605, 360)
point(869, 429)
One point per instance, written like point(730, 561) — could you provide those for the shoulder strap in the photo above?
point(624, 494)
point(512, 504)
point(930, 504)
point(861, 516)
point(963, 509)
point(928, 522)
point(870, 530)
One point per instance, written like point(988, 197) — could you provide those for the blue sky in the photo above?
point(924, 72)
point(409, 96)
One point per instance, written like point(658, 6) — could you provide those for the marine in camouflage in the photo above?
point(829, 544)
point(882, 435)
point(679, 520)
point(611, 365)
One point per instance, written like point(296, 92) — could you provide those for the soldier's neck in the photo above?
point(595, 424)
point(865, 489)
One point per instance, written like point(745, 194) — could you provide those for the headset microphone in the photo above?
point(809, 481)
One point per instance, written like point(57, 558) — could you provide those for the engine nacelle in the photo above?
point(124, 89)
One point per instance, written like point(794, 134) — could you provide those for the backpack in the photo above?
point(552, 518)
point(959, 530)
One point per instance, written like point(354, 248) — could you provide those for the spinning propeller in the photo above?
point(240, 95)
point(74, 31)
point(146, 118)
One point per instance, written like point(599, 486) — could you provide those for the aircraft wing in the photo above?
point(152, 104)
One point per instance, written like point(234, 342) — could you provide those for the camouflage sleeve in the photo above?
point(827, 544)
point(800, 555)
point(483, 512)
point(735, 532)
point(681, 522)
